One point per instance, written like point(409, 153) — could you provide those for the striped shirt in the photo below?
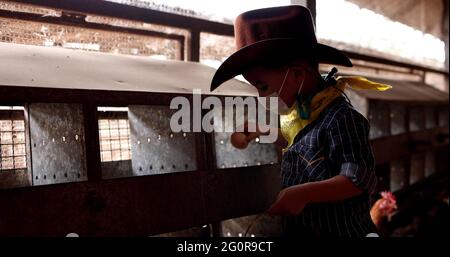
point(335, 144)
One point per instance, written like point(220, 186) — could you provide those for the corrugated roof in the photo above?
point(405, 91)
point(37, 66)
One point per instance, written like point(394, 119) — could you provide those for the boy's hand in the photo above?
point(290, 201)
point(241, 140)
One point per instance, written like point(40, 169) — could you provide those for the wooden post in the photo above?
point(92, 143)
point(194, 46)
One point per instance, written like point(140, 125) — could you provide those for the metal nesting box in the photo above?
point(57, 129)
point(409, 129)
point(90, 117)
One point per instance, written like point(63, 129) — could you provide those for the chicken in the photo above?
point(382, 209)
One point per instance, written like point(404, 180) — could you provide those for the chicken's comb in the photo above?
point(387, 195)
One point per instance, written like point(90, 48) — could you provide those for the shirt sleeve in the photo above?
point(350, 149)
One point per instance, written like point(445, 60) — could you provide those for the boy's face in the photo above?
point(269, 80)
point(266, 80)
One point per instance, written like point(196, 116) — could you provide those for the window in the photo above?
point(12, 139)
point(214, 49)
point(221, 11)
point(114, 132)
point(88, 37)
point(375, 34)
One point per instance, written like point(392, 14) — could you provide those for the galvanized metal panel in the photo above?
point(443, 116)
point(430, 163)
point(416, 118)
point(227, 156)
point(155, 148)
point(57, 143)
point(379, 120)
point(398, 175)
point(398, 118)
point(431, 117)
point(417, 165)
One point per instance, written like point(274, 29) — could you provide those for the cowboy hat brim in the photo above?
point(272, 51)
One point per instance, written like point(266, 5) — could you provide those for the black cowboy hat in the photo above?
point(272, 35)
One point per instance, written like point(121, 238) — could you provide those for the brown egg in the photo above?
point(239, 140)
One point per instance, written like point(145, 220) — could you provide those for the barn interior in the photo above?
point(85, 105)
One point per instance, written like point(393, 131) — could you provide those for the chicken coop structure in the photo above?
point(85, 137)
point(409, 131)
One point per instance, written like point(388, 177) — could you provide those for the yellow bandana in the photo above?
point(292, 124)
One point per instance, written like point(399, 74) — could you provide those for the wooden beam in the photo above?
point(194, 46)
point(111, 9)
point(18, 95)
point(92, 141)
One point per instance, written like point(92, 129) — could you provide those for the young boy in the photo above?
point(327, 168)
